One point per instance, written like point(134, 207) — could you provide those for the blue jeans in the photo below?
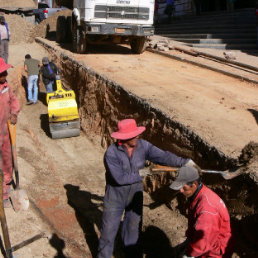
point(33, 88)
point(49, 86)
point(128, 198)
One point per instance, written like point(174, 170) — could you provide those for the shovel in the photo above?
point(225, 174)
point(19, 197)
point(7, 243)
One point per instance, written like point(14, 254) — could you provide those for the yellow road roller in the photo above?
point(63, 113)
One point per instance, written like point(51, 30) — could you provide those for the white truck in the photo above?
point(102, 21)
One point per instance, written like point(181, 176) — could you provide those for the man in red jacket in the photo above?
point(209, 231)
point(9, 109)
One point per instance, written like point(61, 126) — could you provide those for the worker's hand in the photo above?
point(185, 256)
point(190, 163)
point(13, 119)
point(144, 172)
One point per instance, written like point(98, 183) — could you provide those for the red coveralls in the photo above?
point(9, 104)
point(209, 228)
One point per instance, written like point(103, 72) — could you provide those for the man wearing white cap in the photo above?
point(209, 230)
point(123, 160)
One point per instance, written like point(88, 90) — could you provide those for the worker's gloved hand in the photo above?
point(144, 172)
point(13, 119)
point(191, 163)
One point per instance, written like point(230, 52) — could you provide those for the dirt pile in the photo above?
point(17, 3)
point(47, 28)
point(20, 29)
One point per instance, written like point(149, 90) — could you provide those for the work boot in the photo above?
point(7, 203)
point(29, 102)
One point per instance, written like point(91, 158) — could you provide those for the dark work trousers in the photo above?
point(4, 49)
point(128, 198)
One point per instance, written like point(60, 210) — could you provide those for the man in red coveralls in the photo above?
point(9, 109)
point(209, 231)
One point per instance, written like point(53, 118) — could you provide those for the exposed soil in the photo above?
point(210, 120)
point(17, 3)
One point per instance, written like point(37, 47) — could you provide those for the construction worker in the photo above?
point(49, 72)
point(31, 66)
point(4, 39)
point(9, 109)
point(209, 230)
point(122, 161)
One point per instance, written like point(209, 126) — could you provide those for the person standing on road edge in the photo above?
point(124, 190)
point(209, 230)
point(4, 39)
point(9, 109)
point(31, 66)
point(170, 9)
point(49, 72)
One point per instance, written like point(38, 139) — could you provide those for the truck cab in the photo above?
point(116, 21)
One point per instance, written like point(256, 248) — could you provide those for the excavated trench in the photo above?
point(103, 102)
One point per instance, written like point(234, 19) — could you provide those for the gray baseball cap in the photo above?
point(185, 175)
point(45, 60)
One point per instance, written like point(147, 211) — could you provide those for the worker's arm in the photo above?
point(120, 174)
point(156, 155)
point(25, 68)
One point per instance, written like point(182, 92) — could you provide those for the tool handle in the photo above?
point(160, 168)
point(12, 132)
point(7, 242)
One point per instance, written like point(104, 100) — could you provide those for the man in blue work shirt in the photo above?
point(123, 160)
point(170, 9)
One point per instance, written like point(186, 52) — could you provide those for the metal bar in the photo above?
point(28, 241)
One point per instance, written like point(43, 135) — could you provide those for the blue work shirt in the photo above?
point(123, 170)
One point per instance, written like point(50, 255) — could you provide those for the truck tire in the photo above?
point(138, 45)
point(61, 29)
point(69, 28)
point(79, 39)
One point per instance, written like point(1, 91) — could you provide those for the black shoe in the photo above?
point(29, 102)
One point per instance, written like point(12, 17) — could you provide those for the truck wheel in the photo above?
point(138, 45)
point(61, 29)
point(69, 29)
point(79, 40)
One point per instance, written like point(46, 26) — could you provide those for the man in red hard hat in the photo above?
point(123, 160)
point(9, 109)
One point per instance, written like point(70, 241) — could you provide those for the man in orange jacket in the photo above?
point(209, 230)
point(9, 109)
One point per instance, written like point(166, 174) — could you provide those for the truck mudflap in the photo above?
point(118, 29)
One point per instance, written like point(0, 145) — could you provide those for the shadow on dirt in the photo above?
point(156, 243)
point(88, 214)
point(44, 124)
point(58, 244)
point(254, 113)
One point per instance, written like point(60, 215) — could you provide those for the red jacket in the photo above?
point(209, 230)
point(9, 104)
